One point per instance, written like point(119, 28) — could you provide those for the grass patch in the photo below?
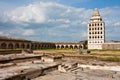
point(111, 59)
point(9, 49)
point(103, 50)
point(95, 54)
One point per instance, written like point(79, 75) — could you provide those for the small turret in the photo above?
point(96, 12)
point(96, 16)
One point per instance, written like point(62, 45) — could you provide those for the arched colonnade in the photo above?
point(69, 46)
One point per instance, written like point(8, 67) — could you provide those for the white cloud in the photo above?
point(1, 33)
point(110, 15)
point(28, 32)
point(53, 19)
point(45, 11)
point(117, 24)
point(31, 13)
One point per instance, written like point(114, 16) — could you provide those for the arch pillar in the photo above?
point(78, 46)
point(73, 46)
point(60, 46)
point(69, 46)
point(64, 46)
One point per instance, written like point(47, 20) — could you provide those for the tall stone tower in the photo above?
point(96, 31)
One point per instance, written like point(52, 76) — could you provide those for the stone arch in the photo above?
point(32, 46)
point(36, 46)
point(39, 46)
point(81, 46)
point(28, 46)
point(62, 46)
point(45, 46)
point(42, 45)
point(71, 47)
point(48, 46)
point(10, 46)
point(66, 46)
point(17, 45)
point(3, 46)
point(76, 47)
point(58, 46)
point(22, 45)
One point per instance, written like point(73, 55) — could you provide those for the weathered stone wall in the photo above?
point(111, 46)
point(9, 43)
point(17, 44)
point(5, 52)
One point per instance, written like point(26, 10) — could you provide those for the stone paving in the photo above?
point(81, 75)
point(74, 69)
point(94, 71)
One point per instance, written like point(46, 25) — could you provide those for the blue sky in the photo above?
point(56, 20)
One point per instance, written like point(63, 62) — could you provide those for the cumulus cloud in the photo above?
point(1, 33)
point(49, 11)
point(50, 20)
point(28, 32)
point(117, 24)
point(30, 13)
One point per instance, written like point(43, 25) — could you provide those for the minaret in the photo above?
point(96, 31)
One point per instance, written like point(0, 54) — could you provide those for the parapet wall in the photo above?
point(111, 46)
point(5, 52)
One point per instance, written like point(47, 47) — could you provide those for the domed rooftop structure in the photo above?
point(96, 12)
point(96, 16)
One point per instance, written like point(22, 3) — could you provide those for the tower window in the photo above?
point(89, 28)
point(89, 32)
point(98, 32)
point(98, 28)
point(101, 36)
point(95, 28)
point(90, 37)
point(98, 36)
point(89, 24)
point(92, 32)
point(98, 24)
point(101, 28)
point(95, 24)
point(101, 32)
point(92, 24)
point(92, 28)
point(95, 32)
point(101, 24)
